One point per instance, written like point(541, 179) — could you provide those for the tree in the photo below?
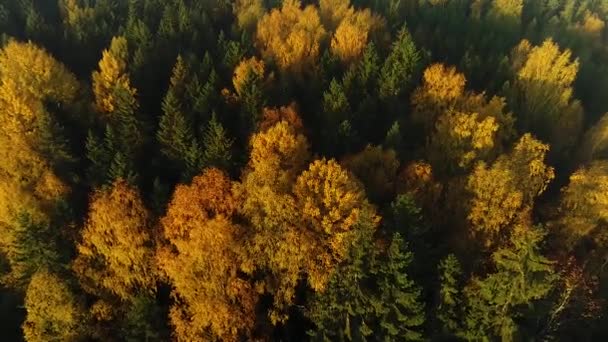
point(593, 145)
point(541, 93)
point(377, 170)
point(507, 188)
point(460, 139)
point(212, 301)
point(450, 298)
point(333, 12)
point(370, 295)
point(34, 246)
point(335, 115)
point(273, 116)
point(291, 36)
point(522, 276)
point(352, 35)
point(247, 68)
point(115, 100)
point(248, 81)
point(112, 74)
point(584, 205)
point(441, 87)
point(401, 68)
point(174, 129)
point(32, 85)
point(217, 146)
point(277, 156)
point(330, 202)
point(274, 244)
point(248, 13)
point(115, 254)
point(53, 311)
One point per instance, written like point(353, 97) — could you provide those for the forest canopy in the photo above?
point(299, 170)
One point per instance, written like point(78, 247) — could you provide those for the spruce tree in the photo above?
point(401, 67)
point(370, 296)
point(217, 146)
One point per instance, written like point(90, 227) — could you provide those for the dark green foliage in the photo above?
point(143, 321)
point(252, 100)
point(401, 68)
point(174, 131)
point(370, 297)
point(217, 146)
point(172, 128)
point(448, 308)
point(35, 247)
point(495, 303)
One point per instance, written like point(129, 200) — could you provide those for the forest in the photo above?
point(286, 170)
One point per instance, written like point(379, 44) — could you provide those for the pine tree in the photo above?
point(522, 276)
point(448, 310)
point(401, 68)
point(370, 296)
point(35, 247)
point(402, 314)
point(174, 132)
point(217, 146)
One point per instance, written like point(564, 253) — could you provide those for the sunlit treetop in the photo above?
point(584, 205)
point(331, 202)
point(115, 253)
point(291, 36)
point(202, 239)
point(352, 35)
point(247, 69)
point(502, 192)
point(112, 75)
point(53, 311)
point(278, 155)
point(441, 87)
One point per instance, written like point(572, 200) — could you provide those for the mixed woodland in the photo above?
point(284, 170)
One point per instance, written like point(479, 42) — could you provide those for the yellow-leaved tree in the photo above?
point(291, 36)
point(201, 259)
point(115, 255)
point(542, 94)
point(331, 201)
point(332, 12)
point(506, 190)
point(464, 126)
point(584, 205)
point(353, 34)
point(460, 138)
point(247, 69)
point(278, 155)
point(31, 148)
point(441, 87)
point(112, 76)
point(248, 13)
point(53, 311)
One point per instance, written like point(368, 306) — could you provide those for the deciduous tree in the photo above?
point(53, 311)
point(115, 254)
point(291, 36)
point(212, 301)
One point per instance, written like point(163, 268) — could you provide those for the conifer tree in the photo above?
point(217, 146)
point(450, 295)
point(522, 276)
point(401, 68)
